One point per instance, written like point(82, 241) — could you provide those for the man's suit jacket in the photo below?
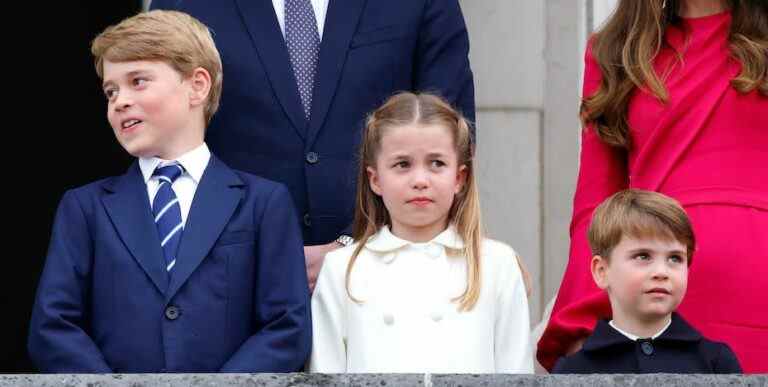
point(237, 299)
point(370, 49)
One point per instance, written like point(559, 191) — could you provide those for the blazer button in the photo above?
point(389, 319)
point(312, 157)
point(172, 312)
point(647, 348)
point(307, 220)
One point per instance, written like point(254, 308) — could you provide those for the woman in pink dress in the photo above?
point(676, 101)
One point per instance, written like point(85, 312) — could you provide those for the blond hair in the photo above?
point(168, 36)
point(370, 213)
point(639, 214)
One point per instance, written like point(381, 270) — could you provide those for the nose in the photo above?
point(122, 101)
point(660, 270)
point(420, 179)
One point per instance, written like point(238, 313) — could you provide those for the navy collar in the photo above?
point(605, 336)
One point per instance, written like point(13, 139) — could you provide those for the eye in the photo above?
point(642, 256)
point(676, 259)
point(438, 163)
point(138, 81)
point(110, 93)
point(401, 164)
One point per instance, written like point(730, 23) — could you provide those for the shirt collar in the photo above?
point(605, 335)
point(194, 163)
point(634, 337)
point(386, 242)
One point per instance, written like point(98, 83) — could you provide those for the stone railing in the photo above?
point(377, 380)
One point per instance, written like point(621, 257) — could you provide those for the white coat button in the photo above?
point(389, 319)
point(434, 251)
point(436, 316)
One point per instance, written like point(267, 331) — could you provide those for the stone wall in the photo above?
point(376, 380)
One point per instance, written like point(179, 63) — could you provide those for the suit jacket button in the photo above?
point(172, 312)
point(647, 348)
point(312, 157)
point(307, 220)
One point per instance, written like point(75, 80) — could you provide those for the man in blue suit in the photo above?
point(181, 264)
point(303, 74)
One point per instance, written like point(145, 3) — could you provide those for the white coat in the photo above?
point(407, 322)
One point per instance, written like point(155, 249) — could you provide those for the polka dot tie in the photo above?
point(303, 42)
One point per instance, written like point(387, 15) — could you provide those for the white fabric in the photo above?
point(634, 337)
point(407, 322)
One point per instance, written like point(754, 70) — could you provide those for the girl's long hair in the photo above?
point(628, 43)
point(370, 213)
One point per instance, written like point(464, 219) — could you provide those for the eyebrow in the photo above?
point(648, 250)
point(400, 156)
point(126, 75)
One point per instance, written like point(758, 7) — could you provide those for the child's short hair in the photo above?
point(639, 214)
point(169, 36)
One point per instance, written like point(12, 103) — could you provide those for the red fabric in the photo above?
point(707, 148)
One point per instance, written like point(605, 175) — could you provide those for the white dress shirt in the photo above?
point(407, 322)
point(194, 163)
point(319, 6)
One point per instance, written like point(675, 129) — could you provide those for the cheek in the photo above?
point(631, 281)
point(681, 278)
point(113, 121)
point(387, 185)
point(153, 106)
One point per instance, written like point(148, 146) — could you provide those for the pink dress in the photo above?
point(707, 148)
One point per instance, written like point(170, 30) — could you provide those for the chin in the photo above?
point(656, 313)
point(137, 151)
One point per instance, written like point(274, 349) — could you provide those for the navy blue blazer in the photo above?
point(370, 49)
point(680, 349)
point(236, 301)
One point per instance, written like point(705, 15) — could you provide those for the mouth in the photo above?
point(420, 201)
point(129, 125)
point(659, 291)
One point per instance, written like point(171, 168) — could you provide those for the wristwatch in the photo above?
point(344, 240)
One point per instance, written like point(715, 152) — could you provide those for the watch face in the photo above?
point(345, 240)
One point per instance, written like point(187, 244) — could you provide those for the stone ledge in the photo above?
point(376, 380)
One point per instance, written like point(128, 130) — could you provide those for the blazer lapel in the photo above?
point(262, 25)
point(340, 25)
point(129, 210)
point(217, 196)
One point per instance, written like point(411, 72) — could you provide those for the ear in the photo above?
point(200, 86)
point(461, 178)
point(599, 267)
point(373, 180)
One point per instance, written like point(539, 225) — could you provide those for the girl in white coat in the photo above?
point(420, 290)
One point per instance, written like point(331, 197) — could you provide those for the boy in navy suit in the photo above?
point(643, 244)
point(181, 264)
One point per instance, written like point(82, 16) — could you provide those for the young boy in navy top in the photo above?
point(643, 244)
point(181, 264)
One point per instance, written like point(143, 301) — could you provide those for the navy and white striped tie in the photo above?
point(167, 212)
point(303, 42)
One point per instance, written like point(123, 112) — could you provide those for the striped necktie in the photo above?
point(167, 212)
